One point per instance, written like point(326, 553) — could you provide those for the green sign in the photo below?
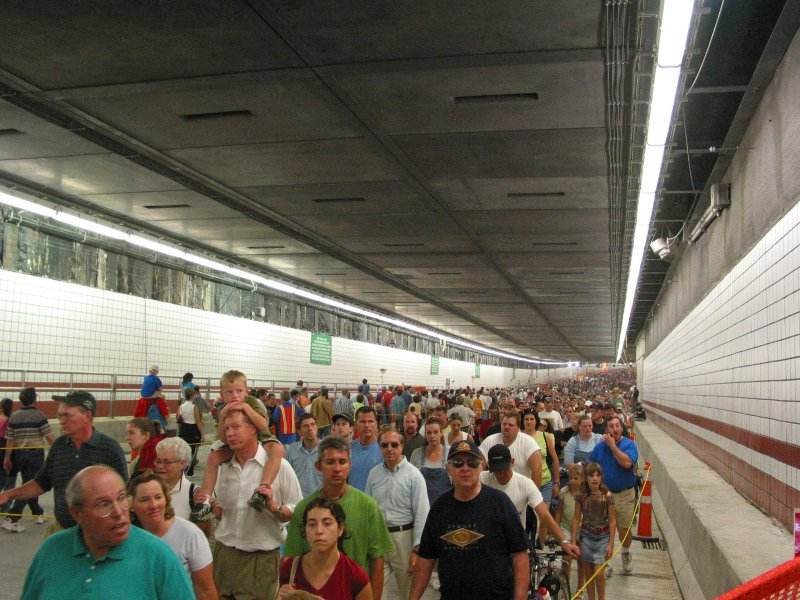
point(477, 370)
point(321, 349)
point(434, 364)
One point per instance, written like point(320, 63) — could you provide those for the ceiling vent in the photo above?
point(10, 131)
point(265, 247)
point(330, 274)
point(496, 98)
point(535, 194)
point(336, 200)
point(166, 206)
point(223, 114)
point(405, 245)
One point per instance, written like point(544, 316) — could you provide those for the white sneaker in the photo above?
point(609, 571)
point(626, 563)
point(434, 581)
point(10, 525)
point(40, 520)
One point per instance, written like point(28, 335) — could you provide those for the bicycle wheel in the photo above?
point(534, 578)
point(556, 585)
point(564, 593)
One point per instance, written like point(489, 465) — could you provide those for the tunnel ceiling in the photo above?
point(445, 162)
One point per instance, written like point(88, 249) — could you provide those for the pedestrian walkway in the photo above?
point(652, 578)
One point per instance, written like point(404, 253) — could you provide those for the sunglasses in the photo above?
point(472, 463)
point(390, 445)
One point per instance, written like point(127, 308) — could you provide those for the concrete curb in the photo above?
point(716, 538)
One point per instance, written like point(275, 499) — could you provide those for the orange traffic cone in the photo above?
point(645, 527)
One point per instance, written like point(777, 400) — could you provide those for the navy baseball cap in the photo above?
point(464, 447)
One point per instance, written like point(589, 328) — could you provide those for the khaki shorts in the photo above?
point(245, 575)
point(624, 503)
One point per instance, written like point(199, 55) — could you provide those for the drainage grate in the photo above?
point(654, 544)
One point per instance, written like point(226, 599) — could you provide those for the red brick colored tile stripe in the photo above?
point(781, 451)
point(772, 496)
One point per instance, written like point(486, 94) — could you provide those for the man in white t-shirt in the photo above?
point(551, 415)
point(523, 448)
point(464, 413)
point(501, 476)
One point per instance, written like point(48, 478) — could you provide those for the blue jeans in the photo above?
point(27, 463)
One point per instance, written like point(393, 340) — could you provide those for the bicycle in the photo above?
point(546, 572)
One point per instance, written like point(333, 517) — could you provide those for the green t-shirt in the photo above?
point(367, 537)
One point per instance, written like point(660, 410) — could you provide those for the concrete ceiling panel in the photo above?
point(540, 193)
point(291, 163)
point(135, 41)
point(514, 154)
point(27, 136)
point(224, 113)
point(386, 198)
point(88, 174)
point(497, 97)
point(153, 207)
point(367, 31)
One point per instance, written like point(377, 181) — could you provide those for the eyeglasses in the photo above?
point(472, 463)
point(164, 461)
point(104, 508)
point(385, 445)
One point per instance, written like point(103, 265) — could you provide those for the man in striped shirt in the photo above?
point(27, 431)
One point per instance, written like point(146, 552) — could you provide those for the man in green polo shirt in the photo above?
point(103, 557)
point(367, 541)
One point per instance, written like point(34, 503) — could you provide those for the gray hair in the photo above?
point(182, 450)
point(75, 488)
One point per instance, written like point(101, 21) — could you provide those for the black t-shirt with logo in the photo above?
point(474, 541)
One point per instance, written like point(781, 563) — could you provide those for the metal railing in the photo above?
point(112, 389)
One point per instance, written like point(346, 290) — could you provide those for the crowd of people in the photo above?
point(328, 495)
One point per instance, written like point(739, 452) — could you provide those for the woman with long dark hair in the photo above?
point(325, 571)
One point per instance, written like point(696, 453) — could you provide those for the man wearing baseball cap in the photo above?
point(475, 534)
point(78, 447)
point(522, 493)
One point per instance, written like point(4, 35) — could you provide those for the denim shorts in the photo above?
point(547, 493)
point(593, 547)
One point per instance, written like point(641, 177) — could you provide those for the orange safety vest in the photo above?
point(288, 422)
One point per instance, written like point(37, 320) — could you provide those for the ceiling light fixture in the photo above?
point(676, 17)
point(273, 284)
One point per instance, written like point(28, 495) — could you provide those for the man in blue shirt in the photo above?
point(151, 383)
point(365, 452)
point(617, 455)
point(103, 557)
point(303, 455)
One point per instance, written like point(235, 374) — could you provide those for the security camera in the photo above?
point(661, 248)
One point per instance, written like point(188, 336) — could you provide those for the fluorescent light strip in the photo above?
point(676, 16)
point(274, 284)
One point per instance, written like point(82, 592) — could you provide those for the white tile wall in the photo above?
point(55, 326)
point(736, 357)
